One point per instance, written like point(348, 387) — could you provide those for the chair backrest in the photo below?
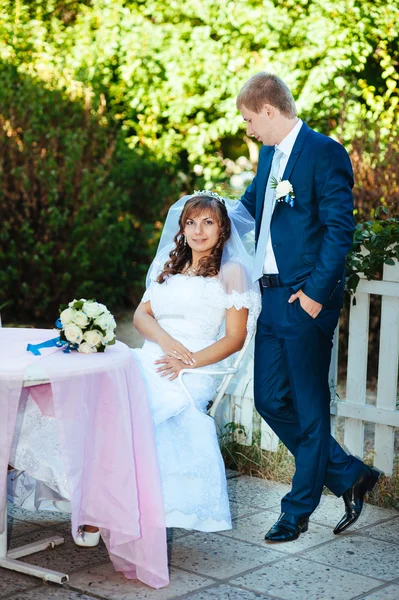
point(221, 390)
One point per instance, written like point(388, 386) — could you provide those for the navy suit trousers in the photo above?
point(292, 394)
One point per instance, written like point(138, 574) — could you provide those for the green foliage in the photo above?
point(168, 73)
point(78, 208)
point(375, 243)
point(109, 109)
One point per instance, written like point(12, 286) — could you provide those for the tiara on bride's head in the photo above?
point(208, 193)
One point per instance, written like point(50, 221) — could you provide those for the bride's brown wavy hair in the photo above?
point(181, 255)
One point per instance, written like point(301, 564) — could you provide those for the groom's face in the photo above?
point(260, 125)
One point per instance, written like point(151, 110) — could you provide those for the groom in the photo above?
point(304, 229)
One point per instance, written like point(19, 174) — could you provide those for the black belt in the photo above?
point(271, 281)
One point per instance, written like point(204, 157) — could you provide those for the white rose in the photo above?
point(284, 188)
point(93, 337)
point(67, 316)
point(73, 302)
point(85, 348)
point(92, 309)
point(109, 336)
point(80, 319)
point(104, 321)
point(73, 333)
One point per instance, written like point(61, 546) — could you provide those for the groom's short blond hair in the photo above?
point(266, 88)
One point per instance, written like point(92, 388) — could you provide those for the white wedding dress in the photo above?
point(192, 310)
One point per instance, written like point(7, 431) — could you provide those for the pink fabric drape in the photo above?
point(106, 432)
point(14, 360)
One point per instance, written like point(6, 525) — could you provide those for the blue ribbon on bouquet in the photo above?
point(288, 199)
point(35, 348)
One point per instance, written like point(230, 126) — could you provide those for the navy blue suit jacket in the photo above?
point(310, 240)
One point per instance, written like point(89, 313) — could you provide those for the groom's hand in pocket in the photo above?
point(310, 306)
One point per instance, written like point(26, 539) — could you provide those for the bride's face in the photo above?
point(202, 232)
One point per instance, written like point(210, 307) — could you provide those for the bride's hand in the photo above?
point(169, 366)
point(175, 349)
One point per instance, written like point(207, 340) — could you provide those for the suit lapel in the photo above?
point(263, 170)
point(296, 150)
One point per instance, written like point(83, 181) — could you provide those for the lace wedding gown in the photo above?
point(192, 310)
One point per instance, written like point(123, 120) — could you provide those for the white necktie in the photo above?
point(268, 206)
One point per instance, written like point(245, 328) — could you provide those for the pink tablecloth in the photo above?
point(106, 432)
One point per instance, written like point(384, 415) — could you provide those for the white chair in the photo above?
point(228, 373)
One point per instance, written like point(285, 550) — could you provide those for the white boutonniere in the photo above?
point(284, 191)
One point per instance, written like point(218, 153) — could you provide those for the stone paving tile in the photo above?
point(239, 510)
point(230, 474)
point(361, 555)
point(35, 532)
point(216, 556)
point(15, 527)
point(388, 593)
point(226, 592)
point(50, 592)
point(173, 533)
point(388, 532)
point(12, 582)
point(299, 579)
point(105, 582)
point(43, 518)
point(350, 562)
point(256, 492)
point(331, 509)
point(66, 557)
point(253, 528)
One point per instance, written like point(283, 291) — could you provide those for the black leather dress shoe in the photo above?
point(287, 529)
point(353, 498)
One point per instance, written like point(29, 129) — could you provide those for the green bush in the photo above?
point(375, 243)
point(103, 104)
point(79, 210)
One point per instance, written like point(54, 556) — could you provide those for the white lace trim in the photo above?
point(250, 300)
point(221, 300)
point(147, 294)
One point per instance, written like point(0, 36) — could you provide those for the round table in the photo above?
point(106, 433)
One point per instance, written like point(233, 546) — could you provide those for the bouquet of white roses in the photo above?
point(86, 326)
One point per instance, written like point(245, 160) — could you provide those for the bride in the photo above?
point(197, 309)
point(199, 287)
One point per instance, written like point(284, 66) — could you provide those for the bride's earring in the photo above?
point(185, 240)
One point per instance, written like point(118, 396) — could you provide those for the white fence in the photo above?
point(238, 406)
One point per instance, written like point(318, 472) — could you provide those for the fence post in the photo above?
point(387, 387)
point(357, 370)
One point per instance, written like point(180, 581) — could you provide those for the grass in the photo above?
point(280, 465)
point(253, 460)
point(386, 492)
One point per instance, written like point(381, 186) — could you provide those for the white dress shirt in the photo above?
point(270, 265)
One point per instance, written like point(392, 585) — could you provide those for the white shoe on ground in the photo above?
point(86, 539)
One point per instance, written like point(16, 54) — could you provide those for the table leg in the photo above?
point(8, 560)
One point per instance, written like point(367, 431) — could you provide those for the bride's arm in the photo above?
point(232, 341)
point(150, 329)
